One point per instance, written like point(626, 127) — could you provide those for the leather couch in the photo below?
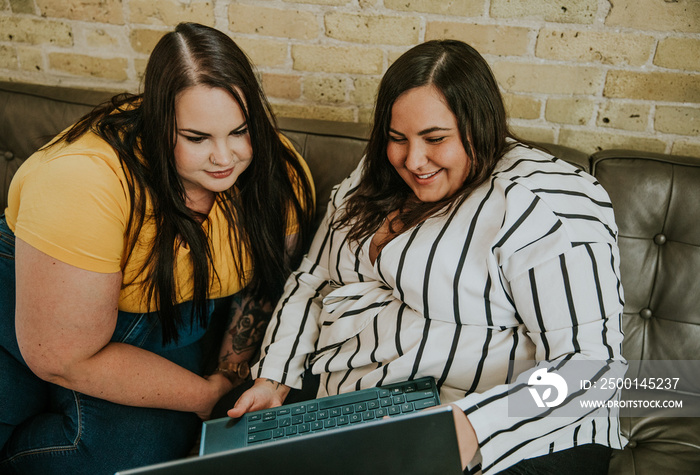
point(657, 205)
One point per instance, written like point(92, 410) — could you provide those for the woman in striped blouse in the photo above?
point(457, 252)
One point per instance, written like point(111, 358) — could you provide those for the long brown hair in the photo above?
point(470, 90)
point(270, 193)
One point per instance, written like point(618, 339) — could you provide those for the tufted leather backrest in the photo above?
point(30, 115)
point(657, 207)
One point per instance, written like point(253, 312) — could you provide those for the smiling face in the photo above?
point(425, 146)
point(212, 146)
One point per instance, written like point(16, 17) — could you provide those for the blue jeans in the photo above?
point(48, 429)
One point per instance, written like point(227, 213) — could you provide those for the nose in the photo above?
point(416, 157)
point(222, 153)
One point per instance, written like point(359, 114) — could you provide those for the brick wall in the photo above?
point(584, 73)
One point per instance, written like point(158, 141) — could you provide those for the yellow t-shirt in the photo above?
point(71, 202)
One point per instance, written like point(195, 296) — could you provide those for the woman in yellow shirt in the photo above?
point(117, 240)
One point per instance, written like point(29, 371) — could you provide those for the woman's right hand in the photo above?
point(264, 394)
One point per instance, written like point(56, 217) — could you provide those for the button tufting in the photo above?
point(632, 444)
point(645, 313)
point(660, 239)
point(8, 155)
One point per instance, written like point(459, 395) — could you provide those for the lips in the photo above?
point(221, 174)
point(427, 176)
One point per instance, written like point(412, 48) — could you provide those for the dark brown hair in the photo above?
point(267, 196)
point(470, 90)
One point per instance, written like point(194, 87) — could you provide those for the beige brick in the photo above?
point(105, 11)
point(623, 115)
point(674, 87)
point(322, 2)
point(548, 78)
point(83, 65)
point(563, 11)
point(30, 58)
point(8, 57)
point(465, 8)
point(600, 47)
point(373, 29)
point(677, 120)
point(140, 67)
point(678, 53)
point(486, 39)
point(171, 12)
point(569, 110)
point(364, 91)
point(266, 21)
point(143, 41)
point(99, 38)
point(689, 148)
point(325, 90)
point(590, 141)
point(522, 107)
point(533, 133)
point(282, 86)
point(368, 3)
point(667, 15)
point(264, 52)
point(20, 6)
point(33, 31)
point(338, 114)
point(337, 59)
point(365, 115)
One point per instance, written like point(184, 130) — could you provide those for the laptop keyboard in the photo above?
point(342, 410)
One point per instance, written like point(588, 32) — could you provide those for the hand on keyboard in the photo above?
point(264, 394)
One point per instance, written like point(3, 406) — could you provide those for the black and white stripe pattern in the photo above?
point(525, 269)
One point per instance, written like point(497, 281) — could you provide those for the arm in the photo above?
point(65, 318)
point(571, 305)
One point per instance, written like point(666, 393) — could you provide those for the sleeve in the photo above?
point(75, 209)
point(293, 330)
point(568, 294)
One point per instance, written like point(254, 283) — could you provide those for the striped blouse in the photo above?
point(525, 270)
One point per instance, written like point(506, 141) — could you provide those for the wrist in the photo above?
point(234, 371)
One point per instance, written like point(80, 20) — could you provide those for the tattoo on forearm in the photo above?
point(277, 384)
point(248, 329)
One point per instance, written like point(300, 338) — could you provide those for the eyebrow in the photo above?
point(204, 134)
point(427, 131)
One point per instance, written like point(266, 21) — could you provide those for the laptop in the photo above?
point(366, 436)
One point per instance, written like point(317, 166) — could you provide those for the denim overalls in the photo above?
point(46, 428)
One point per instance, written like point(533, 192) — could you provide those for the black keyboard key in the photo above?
point(335, 412)
point(290, 430)
point(304, 427)
point(328, 423)
point(259, 436)
point(410, 397)
point(350, 398)
point(422, 404)
point(277, 433)
point(342, 420)
point(398, 399)
point(259, 426)
point(316, 425)
point(298, 410)
point(285, 421)
point(407, 407)
point(297, 419)
point(355, 418)
point(368, 416)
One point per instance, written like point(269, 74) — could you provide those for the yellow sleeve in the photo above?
point(74, 207)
